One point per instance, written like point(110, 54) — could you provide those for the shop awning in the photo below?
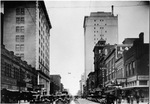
point(131, 87)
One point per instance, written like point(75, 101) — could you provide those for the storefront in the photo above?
point(135, 94)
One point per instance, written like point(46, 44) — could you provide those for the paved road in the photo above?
point(81, 101)
point(84, 101)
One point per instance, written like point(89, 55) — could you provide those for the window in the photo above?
point(17, 38)
point(17, 29)
point(22, 55)
point(17, 11)
point(17, 54)
point(131, 72)
point(20, 11)
point(21, 47)
point(144, 82)
point(133, 67)
point(22, 38)
point(99, 51)
point(20, 29)
point(22, 20)
point(126, 71)
point(39, 50)
point(19, 20)
point(17, 48)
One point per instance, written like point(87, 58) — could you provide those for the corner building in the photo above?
point(97, 25)
point(26, 33)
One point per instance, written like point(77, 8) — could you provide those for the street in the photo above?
point(82, 101)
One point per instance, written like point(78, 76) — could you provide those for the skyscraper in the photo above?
point(27, 32)
point(96, 26)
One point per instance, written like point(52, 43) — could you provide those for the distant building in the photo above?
point(98, 54)
point(82, 83)
point(91, 83)
point(55, 84)
point(97, 25)
point(27, 33)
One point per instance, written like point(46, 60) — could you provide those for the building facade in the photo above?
point(82, 83)
point(26, 33)
point(98, 67)
point(97, 25)
point(16, 74)
point(136, 64)
point(55, 84)
point(114, 62)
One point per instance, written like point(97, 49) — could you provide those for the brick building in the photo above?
point(136, 63)
point(16, 74)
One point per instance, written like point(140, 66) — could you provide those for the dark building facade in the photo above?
point(136, 63)
point(55, 85)
point(15, 73)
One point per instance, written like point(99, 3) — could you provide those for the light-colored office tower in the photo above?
point(97, 25)
point(27, 33)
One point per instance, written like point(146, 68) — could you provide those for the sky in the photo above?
point(67, 33)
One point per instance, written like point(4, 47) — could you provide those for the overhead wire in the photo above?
point(139, 4)
point(30, 14)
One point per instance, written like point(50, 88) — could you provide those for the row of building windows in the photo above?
point(43, 70)
point(20, 55)
point(20, 11)
point(101, 35)
point(41, 52)
point(41, 60)
point(19, 47)
point(20, 20)
point(100, 27)
point(20, 29)
point(19, 38)
point(130, 69)
point(98, 20)
point(41, 44)
point(111, 76)
point(9, 70)
point(110, 66)
point(99, 24)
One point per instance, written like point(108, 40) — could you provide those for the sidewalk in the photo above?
point(134, 102)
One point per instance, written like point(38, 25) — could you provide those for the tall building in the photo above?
point(26, 33)
point(97, 25)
